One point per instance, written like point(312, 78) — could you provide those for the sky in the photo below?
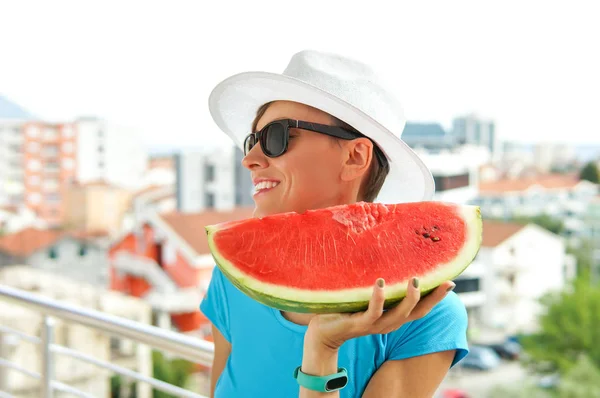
point(531, 66)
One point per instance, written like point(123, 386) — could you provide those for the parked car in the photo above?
point(452, 393)
point(549, 381)
point(508, 349)
point(481, 358)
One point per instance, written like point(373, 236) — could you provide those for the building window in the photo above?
point(68, 163)
point(67, 147)
point(50, 134)
point(445, 183)
point(33, 147)
point(33, 132)
point(100, 148)
point(53, 253)
point(50, 151)
point(34, 180)
point(209, 200)
point(34, 165)
point(52, 198)
point(34, 198)
point(67, 131)
point(209, 172)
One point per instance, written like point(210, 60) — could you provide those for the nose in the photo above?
point(255, 158)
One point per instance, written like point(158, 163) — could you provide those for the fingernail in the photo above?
point(416, 283)
point(451, 288)
point(380, 282)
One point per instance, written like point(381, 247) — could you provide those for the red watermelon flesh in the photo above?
point(327, 260)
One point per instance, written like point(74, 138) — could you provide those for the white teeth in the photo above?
point(265, 185)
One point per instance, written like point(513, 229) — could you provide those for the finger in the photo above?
point(427, 303)
point(375, 309)
point(397, 316)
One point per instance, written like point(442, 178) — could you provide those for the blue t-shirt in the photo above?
point(266, 347)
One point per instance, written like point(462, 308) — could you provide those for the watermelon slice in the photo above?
point(328, 260)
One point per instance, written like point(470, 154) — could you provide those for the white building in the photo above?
point(560, 196)
point(516, 265)
point(77, 258)
point(455, 172)
point(109, 152)
point(83, 376)
point(16, 218)
point(212, 180)
point(548, 156)
point(12, 117)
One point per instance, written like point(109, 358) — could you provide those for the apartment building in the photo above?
point(55, 156)
point(212, 180)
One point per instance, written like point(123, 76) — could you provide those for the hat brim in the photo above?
point(233, 104)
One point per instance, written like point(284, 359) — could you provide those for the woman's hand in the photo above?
point(330, 331)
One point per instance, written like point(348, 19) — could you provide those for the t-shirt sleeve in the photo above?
point(215, 306)
point(443, 329)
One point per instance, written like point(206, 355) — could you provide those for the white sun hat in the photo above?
point(343, 87)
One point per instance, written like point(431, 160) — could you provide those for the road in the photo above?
point(478, 384)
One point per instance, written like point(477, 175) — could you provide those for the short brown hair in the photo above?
point(377, 172)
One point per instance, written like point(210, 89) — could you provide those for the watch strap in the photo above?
point(328, 383)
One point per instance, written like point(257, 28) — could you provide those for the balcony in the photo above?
point(51, 367)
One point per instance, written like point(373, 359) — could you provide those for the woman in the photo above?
point(324, 133)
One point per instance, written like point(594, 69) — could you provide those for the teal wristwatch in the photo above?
point(329, 383)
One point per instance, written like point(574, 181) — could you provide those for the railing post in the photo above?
point(47, 359)
point(7, 343)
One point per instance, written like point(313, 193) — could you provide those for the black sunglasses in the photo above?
point(274, 137)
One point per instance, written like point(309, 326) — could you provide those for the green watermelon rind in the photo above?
point(311, 301)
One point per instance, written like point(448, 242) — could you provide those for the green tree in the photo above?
point(583, 257)
point(175, 372)
point(582, 381)
point(545, 221)
point(569, 327)
point(590, 173)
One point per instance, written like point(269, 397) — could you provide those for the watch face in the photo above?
point(337, 383)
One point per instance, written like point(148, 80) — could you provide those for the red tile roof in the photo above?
point(190, 226)
point(10, 209)
point(496, 232)
point(100, 183)
point(548, 181)
point(166, 162)
point(28, 241)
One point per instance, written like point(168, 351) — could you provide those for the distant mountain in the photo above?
point(10, 110)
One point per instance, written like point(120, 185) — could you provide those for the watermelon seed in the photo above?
point(426, 235)
point(435, 239)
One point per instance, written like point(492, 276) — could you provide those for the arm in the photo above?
point(327, 332)
point(222, 351)
point(417, 377)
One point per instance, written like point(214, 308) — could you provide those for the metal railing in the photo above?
point(195, 350)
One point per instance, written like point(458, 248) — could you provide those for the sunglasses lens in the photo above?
point(274, 140)
point(249, 143)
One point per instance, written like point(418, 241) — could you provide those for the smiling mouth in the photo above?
point(264, 186)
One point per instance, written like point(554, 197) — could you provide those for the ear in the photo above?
point(359, 157)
